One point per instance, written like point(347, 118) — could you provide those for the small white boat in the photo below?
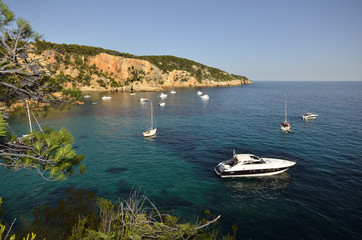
point(94, 103)
point(173, 92)
point(205, 97)
point(285, 126)
point(143, 100)
point(163, 95)
point(310, 116)
point(151, 131)
point(106, 98)
point(132, 94)
point(87, 96)
point(162, 104)
point(199, 93)
point(249, 165)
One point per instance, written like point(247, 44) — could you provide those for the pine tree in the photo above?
point(49, 152)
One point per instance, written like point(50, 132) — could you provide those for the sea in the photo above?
point(318, 198)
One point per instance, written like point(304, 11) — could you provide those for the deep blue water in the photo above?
point(318, 198)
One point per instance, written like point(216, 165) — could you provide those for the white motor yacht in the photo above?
point(162, 104)
point(249, 165)
point(163, 95)
point(143, 100)
point(205, 97)
point(106, 98)
point(309, 116)
point(199, 93)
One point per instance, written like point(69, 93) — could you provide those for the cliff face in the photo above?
point(108, 72)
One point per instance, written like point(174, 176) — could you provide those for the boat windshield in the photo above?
point(256, 159)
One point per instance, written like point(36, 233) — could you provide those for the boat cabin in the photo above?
point(247, 159)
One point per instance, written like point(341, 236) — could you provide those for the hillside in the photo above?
point(94, 69)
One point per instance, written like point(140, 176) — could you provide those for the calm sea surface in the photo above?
point(318, 198)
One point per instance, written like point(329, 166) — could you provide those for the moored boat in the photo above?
point(249, 165)
point(106, 98)
point(205, 97)
point(285, 126)
point(163, 95)
point(151, 131)
point(309, 116)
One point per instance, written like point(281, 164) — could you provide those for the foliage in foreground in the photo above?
point(50, 152)
point(21, 76)
point(83, 216)
point(5, 233)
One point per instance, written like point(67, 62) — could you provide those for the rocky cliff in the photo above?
point(94, 69)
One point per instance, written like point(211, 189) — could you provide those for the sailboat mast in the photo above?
point(285, 102)
point(151, 115)
point(27, 108)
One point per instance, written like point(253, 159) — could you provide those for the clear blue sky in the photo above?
point(262, 39)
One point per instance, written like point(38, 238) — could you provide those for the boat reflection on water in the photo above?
point(151, 138)
point(257, 186)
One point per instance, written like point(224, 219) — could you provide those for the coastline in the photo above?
point(139, 87)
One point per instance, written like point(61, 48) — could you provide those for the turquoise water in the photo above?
point(318, 198)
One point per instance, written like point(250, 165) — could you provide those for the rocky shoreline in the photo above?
point(139, 87)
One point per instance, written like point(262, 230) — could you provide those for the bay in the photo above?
point(318, 198)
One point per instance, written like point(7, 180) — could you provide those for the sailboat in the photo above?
point(285, 126)
point(152, 129)
point(29, 121)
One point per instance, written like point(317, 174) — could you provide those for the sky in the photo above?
point(264, 40)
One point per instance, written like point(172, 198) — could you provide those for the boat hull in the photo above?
point(285, 129)
point(250, 173)
point(306, 118)
point(150, 132)
point(143, 100)
point(246, 165)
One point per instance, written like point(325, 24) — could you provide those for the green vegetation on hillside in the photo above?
point(72, 56)
point(77, 49)
point(166, 63)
